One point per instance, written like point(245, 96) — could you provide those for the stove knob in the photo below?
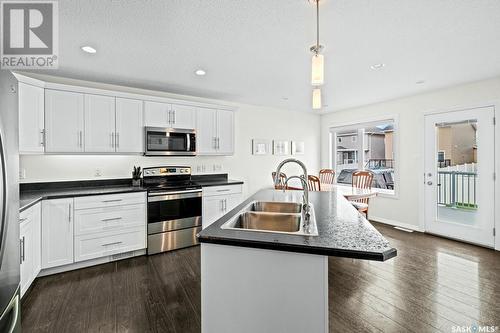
point(186, 170)
point(182, 170)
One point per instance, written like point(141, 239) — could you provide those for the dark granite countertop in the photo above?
point(29, 198)
point(32, 193)
point(343, 232)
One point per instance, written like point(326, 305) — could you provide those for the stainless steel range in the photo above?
point(174, 208)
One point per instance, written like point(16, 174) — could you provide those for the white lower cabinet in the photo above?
point(109, 243)
point(29, 234)
point(57, 232)
point(109, 224)
point(218, 200)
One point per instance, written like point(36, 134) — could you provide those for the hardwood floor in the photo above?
point(430, 286)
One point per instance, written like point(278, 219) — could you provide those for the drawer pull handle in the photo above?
point(111, 219)
point(113, 200)
point(114, 243)
point(226, 190)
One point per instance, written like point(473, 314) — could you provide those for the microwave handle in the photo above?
point(188, 141)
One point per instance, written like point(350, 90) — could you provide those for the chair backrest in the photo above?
point(313, 183)
point(326, 176)
point(362, 179)
point(281, 180)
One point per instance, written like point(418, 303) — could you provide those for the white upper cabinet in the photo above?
point(157, 114)
point(225, 132)
point(100, 136)
point(64, 119)
point(182, 116)
point(215, 132)
point(31, 122)
point(206, 120)
point(129, 126)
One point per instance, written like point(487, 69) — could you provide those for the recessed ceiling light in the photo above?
point(89, 49)
point(377, 66)
point(420, 82)
point(200, 72)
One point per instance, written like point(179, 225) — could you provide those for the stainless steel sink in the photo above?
point(269, 221)
point(272, 217)
point(277, 207)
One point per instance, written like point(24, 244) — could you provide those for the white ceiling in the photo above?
point(257, 51)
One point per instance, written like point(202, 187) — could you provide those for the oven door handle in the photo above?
point(174, 195)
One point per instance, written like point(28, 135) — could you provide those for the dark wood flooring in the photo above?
point(432, 284)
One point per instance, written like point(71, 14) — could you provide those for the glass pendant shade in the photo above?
point(317, 70)
point(316, 103)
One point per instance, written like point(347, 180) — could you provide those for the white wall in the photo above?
point(250, 122)
point(406, 208)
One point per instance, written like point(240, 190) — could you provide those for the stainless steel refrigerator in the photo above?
point(10, 307)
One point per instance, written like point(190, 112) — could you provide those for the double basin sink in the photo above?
point(274, 217)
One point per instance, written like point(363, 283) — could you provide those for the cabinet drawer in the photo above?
point(222, 190)
point(88, 221)
point(109, 243)
point(108, 200)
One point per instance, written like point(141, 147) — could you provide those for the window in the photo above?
point(365, 146)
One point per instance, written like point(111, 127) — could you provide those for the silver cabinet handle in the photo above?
point(111, 219)
point(112, 140)
point(215, 143)
point(222, 205)
point(80, 139)
point(112, 200)
point(21, 250)
point(69, 212)
point(117, 139)
point(42, 137)
point(173, 116)
point(114, 243)
point(169, 117)
point(225, 190)
point(218, 143)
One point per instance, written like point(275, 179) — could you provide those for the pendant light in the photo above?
point(316, 100)
point(317, 63)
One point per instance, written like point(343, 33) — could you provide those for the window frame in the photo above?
point(355, 125)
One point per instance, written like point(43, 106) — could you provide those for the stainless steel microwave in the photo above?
point(170, 141)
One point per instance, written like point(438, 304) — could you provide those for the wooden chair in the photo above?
point(313, 183)
point(362, 179)
point(281, 182)
point(326, 176)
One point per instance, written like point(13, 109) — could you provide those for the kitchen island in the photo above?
point(262, 281)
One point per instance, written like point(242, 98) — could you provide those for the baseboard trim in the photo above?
point(396, 223)
point(92, 262)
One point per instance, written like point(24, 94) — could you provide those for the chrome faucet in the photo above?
point(306, 207)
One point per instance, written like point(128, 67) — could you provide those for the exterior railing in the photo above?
point(379, 163)
point(457, 189)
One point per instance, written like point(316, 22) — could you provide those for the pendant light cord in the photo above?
point(317, 26)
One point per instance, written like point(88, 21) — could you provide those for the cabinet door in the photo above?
point(57, 232)
point(213, 209)
point(129, 126)
point(63, 121)
point(37, 238)
point(232, 201)
point(206, 131)
point(225, 132)
point(99, 124)
point(157, 114)
point(27, 252)
point(31, 122)
point(183, 116)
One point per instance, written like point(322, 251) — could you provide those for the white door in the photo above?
point(206, 131)
point(129, 126)
point(213, 209)
point(157, 114)
point(225, 135)
point(26, 234)
point(31, 122)
point(99, 124)
point(64, 121)
point(459, 175)
point(57, 232)
point(183, 116)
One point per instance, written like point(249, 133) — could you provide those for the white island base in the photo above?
point(256, 290)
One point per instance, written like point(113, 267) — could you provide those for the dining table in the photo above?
point(349, 192)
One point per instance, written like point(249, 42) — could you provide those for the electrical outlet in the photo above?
point(98, 173)
point(22, 173)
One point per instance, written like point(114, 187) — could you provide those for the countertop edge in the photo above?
point(344, 253)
